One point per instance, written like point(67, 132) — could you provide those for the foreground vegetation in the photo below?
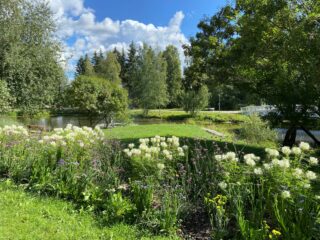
point(30, 216)
point(166, 185)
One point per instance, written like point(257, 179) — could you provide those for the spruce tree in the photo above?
point(174, 75)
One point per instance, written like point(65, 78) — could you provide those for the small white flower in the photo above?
point(304, 146)
point(218, 157)
point(181, 154)
point(163, 144)
point(185, 147)
point(272, 152)
point(53, 144)
point(311, 175)
point(148, 155)
point(258, 171)
point(131, 145)
point(222, 185)
point(296, 151)
point(267, 166)
point(313, 161)
point(285, 194)
point(284, 163)
point(286, 150)
point(297, 172)
point(126, 150)
point(317, 197)
point(160, 166)
point(250, 162)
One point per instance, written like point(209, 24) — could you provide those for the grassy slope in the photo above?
point(141, 131)
point(24, 216)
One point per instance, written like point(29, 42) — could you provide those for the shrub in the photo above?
point(194, 101)
point(5, 98)
point(255, 130)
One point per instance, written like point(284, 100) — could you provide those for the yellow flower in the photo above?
point(276, 233)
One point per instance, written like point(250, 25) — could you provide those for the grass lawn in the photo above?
point(176, 114)
point(151, 130)
point(25, 216)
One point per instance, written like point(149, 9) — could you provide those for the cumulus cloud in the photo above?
point(88, 35)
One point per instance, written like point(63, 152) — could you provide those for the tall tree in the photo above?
point(29, 54)
point(80, 67)
point(97, 61)
point(132, 68)
point(111, 68)
point(269, 48)
point(152, 87)
point(174, 75)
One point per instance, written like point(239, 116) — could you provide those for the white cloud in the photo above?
point(80, 24)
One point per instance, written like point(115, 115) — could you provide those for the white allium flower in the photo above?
point(81, 144)
point(298, 172)
point(296, 151)
point(230, 156)
point(169, 157)
point(267, 166)
point(185, 147)
point(179, 149)
point(311, 175)
point(126, 150)
point(53, 144)
point(258, 171)
point(272, 152)
point(166, 152)
point(218, 157)
point(304, 146)
point(317, 197)
point(250, 162)
point(131, 145)
point(163, 144)
point(222, 185)
point(285, 194)
point(286, 150)
point(284, 163)
point(169, 140)
point(252, 156)
point(313, 161)
point(181, 154)
point(160, 166)
point(275, 162)
point(147, 155)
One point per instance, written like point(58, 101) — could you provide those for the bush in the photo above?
point(194, 101)
point(255, 130)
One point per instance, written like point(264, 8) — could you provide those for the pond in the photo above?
point(62, 121)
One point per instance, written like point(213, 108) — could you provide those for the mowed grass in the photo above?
point(25, 216)
point(151, 130)
point(177, 114)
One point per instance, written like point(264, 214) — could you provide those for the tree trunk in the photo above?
point(311, 135)
point(290, 137)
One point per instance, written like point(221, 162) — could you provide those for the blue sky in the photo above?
point(85, 26)
point(157, 12)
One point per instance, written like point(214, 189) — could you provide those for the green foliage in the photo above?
point(98, 97)
point(194, 101)
point(255, 130)
point(110, 68)
point(174, 78)
point(29, 54)
point(5, 98)
point(151, 89)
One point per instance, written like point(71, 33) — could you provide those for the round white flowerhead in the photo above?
point(296, 151)
point(285, 194)
point(313, 161)
point(250, 162)
point(286, 150)
point(258, 171)
point(160, 166)
point(222, 185)
point(304, 146)
point(272, 152)
point(311, 175)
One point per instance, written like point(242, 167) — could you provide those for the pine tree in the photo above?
point(131, 70)
point(97, 60)
point(174, 76)
point(87, 66)
point(80, 67)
